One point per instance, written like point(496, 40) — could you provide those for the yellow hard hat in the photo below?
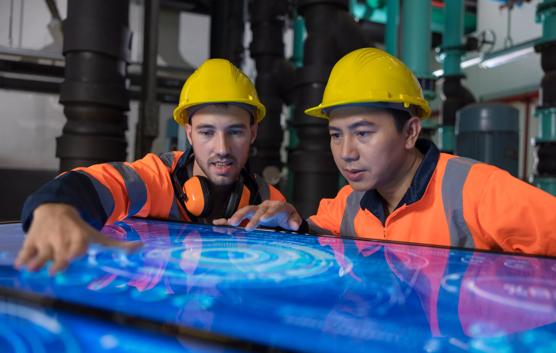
point(217, 81)
point(370, 75)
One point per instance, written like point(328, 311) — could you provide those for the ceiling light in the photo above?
point(464, 64)
point(502, 58)
point(499, 57)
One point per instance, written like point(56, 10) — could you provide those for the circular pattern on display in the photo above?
point(528, 294)
point(411, 260)
point(27, 330)
point(206, 262)
point(451, 282)
point(519, 264)
point(475, 259)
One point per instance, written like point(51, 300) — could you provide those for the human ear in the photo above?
point(254, 128)
point(412, 129)
point(188, 131)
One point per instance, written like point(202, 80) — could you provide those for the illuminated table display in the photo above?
point(194, 288)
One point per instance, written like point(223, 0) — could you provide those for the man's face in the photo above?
point(367, 148)
point(221, 136)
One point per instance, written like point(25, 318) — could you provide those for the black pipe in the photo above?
point(226, 30)
point(456, 97)
point(273, 82)
point(147, 124)
point(97, 43)
point(546, 150)
point(548, 82)
point(53, 8)
point(164, 95)
point(31, 68)
point(30, 85)
point(331, 33)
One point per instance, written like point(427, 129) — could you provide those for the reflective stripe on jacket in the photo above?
point(108, 192)
point(465, 204)
point(144, 188)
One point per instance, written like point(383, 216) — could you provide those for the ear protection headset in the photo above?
point(196, 193)
point(199, 197)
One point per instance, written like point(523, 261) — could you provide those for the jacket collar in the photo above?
point(374, 203)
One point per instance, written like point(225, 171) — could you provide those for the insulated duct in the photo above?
point(331, 33)
point(456, 96)
point(273, 82)
point(226, 30)
point(147, 124)
point(97, 44)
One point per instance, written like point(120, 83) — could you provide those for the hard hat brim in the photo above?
point(180, 112)
point(319, 110)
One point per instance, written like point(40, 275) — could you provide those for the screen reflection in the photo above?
point(314, 294)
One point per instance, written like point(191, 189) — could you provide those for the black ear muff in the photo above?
point(239, 198)
point(198, 196)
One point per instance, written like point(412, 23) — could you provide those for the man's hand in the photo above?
point(59, 234)
point(269, 213)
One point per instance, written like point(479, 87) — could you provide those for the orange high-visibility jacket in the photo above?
point(464, 204)
point(109, 192)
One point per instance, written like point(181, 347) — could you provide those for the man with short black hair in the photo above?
point(402, 188)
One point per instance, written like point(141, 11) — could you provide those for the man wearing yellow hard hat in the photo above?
point(220, 109)
point(401, 188)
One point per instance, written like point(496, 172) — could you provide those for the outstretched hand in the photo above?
point(269, 213)
point(59, 234)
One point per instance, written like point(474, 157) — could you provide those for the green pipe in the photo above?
point(547, 184)
point(549, 27)
point(547, 124)
point(546, 13)
point(297, 59)
point(392, 22)
point(416, 36)
point(452, 37)
point(298, 40)
point(446, 138)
